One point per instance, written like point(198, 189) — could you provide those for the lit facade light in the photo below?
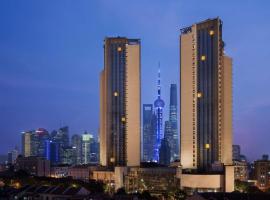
point(123, 119)
point(112, 159)
point(199, 95)
point(211, 32)
point(119, 49)
point(115, 94)
point(207, 146)
point(203, 58)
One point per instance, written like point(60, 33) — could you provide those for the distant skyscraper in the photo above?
point(149, 136)
point(27, 143)
point(52, 152)
point(158, 109)
point(206, 97)
point(94, 151)
point(164, 152)
point(68, 155)
point(236, 152)
point(174, 137)
point(41, 136)
point(12, 155)
point(86, 148)
point(76, 141)
point(63, 136)
point(171, 130)
point(120, 100)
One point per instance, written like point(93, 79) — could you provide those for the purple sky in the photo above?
point(51, 53)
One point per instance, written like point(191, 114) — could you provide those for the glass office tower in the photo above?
point(149, 134)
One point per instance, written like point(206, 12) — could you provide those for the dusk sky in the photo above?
point(51, 54)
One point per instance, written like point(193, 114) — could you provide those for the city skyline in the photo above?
point(58, 92)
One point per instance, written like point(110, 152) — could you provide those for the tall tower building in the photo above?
point(164, 152)
point(86, 147)
point(53, 152)
point(171, 129)
point(120, 100)
point(158, 109)
point(27, 143)
point(41, 136)
point(149, 136)
point(76, 142)
point(236, 152)
point(206, 97)
point(63, 136)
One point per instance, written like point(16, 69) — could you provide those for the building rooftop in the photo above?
point(230, 196)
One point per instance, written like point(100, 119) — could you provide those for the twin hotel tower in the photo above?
point(205, 107)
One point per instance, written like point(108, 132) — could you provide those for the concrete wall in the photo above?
point(133, 105)
point(188, 100)
point(102, 119)
point(212, 181)
point(226, 134)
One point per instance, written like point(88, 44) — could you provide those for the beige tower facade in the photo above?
point(120, 100)
point(206, 97)
point(26, 143)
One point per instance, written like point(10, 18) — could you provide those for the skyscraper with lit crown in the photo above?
point(120, 100)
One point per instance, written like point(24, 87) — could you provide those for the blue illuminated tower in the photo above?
point(158, 107)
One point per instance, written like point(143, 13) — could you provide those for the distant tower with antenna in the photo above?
point(158, 109)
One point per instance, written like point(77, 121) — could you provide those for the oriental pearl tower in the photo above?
point(158, 107)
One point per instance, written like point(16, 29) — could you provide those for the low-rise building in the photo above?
point(208, 182)
point(35, 166)
point(240, 170)
point(156, 180)
point(107, 177)
point(82, 172)
point(229, 196)
point(262, 173)
point(52, 192)
point(59, 171)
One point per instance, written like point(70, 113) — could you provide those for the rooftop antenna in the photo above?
point(159, 82)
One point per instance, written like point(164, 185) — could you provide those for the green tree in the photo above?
point(241, 186)
point(180, 195)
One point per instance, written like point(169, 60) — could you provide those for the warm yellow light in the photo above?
point(112, 159)
point(17, 185)
point(203, 58)
point(123, 119)
point(207, 146)
point(199, 95)
point(211, 32)
point(119, 49)
point(115, 94)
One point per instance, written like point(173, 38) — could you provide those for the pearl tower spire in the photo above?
point(159, 105)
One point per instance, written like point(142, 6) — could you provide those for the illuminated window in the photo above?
point(203, 58)
point(123, 119)
point(207, 146)
point(115, 94)
point(119, 49)
point(211, 32)
point(199, 95)
point(112, 159)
